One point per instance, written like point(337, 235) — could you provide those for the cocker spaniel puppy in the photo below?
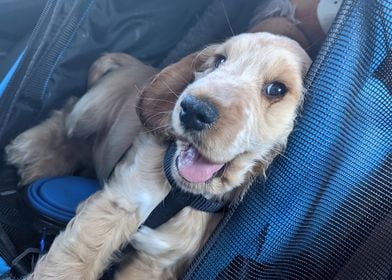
point(229, 108)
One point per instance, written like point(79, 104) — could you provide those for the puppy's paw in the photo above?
point(142, 241)
point(44, 150)
point(25, 153)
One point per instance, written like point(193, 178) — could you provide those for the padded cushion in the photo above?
point(58, 197)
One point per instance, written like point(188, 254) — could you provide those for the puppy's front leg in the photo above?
point(85, 248)
point(109, 218)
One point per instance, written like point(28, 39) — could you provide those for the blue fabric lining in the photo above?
point(4, 268)
point(10, 73)
point(60, 56)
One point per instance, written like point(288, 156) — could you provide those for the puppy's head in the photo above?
point(230, 108)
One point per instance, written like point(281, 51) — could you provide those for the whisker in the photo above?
point(183, 79)
point(227, 18)
point(138, 90)
point(193, 64)
point(197, 57)
point(279, 152)
point(159, 99)
point(143, 109)
point(154, 129)
point(155, 115)
point(168, 87)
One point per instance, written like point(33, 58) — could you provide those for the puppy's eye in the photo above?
point(219, 59)
point(275, 89)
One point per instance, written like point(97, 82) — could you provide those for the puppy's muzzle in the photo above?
point(197, 114)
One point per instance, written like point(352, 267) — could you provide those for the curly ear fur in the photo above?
point(106, 63)
point(115, 80)
point(158, 98)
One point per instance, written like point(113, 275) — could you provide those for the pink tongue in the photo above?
point(194, 167)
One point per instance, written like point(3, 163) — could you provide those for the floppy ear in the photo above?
point(157, 99)
point(107, 63)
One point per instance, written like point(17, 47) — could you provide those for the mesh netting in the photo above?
point(326, 209)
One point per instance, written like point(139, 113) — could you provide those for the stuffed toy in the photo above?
point(306, 21)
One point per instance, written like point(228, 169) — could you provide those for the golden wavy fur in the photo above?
point(251, 88)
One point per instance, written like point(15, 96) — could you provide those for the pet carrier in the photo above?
point(324, 211)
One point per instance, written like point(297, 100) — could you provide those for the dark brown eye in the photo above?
point(219, 59)
point(275, 89)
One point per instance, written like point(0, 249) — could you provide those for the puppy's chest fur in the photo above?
point(139, 185)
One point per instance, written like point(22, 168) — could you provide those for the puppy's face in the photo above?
point(238, 110)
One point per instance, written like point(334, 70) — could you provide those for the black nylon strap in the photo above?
point(174, 202)
point(177, 199)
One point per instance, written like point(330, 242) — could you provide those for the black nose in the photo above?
point(197, 114)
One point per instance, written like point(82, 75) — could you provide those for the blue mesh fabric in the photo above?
point(326, 209)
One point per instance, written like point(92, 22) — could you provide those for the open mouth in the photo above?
point(195, 168)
